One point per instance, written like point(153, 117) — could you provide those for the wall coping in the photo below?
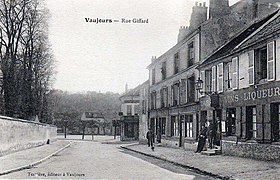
point(24, 121)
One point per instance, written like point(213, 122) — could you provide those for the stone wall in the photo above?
point(17, 134)
point(252, 150)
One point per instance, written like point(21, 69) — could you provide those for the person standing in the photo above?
point(201, 139)
point(150, 136)
point(210, 135)
point(158, 136)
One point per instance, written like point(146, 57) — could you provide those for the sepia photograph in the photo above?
point(150, 89)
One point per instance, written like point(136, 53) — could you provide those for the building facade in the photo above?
point(133, 113)
point(173, 101)
point(245, 73)
point(176, 110)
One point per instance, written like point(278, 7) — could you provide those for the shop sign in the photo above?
point(252, 95)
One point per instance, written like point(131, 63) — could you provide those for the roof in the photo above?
point(96, 116)
point(136, 90)
point(271, 29)
point(228, 47)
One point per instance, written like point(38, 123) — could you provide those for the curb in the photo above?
point(29, 166)
point(179, 164)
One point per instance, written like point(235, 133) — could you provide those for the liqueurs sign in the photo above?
point(253, 95)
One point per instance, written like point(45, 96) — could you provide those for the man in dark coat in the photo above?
point(150, 136)
point(201, 139)
point(211, 133)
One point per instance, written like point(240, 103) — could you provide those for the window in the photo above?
point(208, 80)
point(275, 118)
point(163, 94)
point(153, 100)
point(230, 121)
point(251, 116)
point(129, 110)
point(228, 77)
point(144, 106)
point(163, 125)
point(190, 54)
point(176, 63)
point(191, 89)
point(175, 92)
point(163, 71)
point(183, 91)
point(189, 126)
point(261, 64)
point(153, 76)
point(174, 126)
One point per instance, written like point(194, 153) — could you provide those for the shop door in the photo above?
point(251, 117)
point(275, 120)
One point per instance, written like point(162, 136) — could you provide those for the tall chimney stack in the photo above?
point(126, 88)
point(199, 15)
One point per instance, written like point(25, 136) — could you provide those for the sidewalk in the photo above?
point(30, 157)
point(226, 167)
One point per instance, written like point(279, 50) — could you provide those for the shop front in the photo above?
point(251, 121)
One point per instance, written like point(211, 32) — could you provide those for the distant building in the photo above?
point(98, 122)
point(129, 115)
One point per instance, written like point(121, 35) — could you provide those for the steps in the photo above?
point(212, 152)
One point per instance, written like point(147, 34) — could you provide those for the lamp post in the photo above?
point(214, 96)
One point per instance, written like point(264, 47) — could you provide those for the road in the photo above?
point(95, 160)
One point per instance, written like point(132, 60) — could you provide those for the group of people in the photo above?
point(206, 132)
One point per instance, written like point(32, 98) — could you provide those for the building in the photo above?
point(143, 114)
point(96, 123)
point(245, 72)
point(129, 115)
point(175, 107)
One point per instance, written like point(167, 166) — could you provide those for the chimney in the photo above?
point(153, 58)
point(218, 8)
point(199, 15)
point(183, 32)
point(126, 88)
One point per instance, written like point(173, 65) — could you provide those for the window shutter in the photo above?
point(251, 69)
point(271, 61)
point(220, 77)
point(202, 75)
point(234, 69)
point(172, 92)
point(214, 76)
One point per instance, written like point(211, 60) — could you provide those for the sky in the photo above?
point(104, 57)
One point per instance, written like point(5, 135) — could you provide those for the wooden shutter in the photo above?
point(214, 77)
point(251, 68)
point(271, 61)
point(220, 77)
point(202, 75)
point(234, 68)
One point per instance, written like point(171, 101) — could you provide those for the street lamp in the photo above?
point(215, 103)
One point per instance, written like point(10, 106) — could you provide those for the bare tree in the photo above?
point(27, 61)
